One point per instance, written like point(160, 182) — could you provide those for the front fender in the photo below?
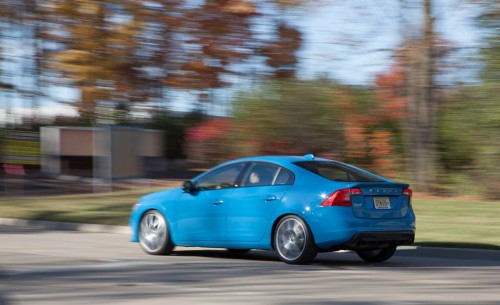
point(155, 201)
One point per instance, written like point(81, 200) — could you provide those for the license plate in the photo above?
point(382, 203)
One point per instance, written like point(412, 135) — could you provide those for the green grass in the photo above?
point(111, 209)
point(458, 223)
point(440, 222)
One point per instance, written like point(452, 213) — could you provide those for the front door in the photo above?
point(202, 214)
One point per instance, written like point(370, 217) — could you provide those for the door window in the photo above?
point(224, 177)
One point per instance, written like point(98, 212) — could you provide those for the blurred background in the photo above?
point(108, 89)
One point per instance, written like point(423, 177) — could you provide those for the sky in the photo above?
point(350, 41)
point(354, 42)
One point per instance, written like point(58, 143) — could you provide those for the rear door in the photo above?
point(252, 205)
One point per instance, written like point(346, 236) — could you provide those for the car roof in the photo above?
point(281, 160)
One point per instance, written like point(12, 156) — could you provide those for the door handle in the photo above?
point(270, 198)
point(218, 202)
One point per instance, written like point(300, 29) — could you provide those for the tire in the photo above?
point(377, 256)
point(293, 241)
point(238, 251)
point(154, 236)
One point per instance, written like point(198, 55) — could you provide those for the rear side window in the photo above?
point(284, 177)
point(267, 174)
point(338, 172)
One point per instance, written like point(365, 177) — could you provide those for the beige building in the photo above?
point(103, 152)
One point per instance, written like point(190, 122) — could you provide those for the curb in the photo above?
point(64, 226)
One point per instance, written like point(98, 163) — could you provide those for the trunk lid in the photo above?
point(381, 200)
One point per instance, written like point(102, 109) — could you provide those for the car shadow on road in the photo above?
point(254, 255)
point(408, 258)
point(326, 259)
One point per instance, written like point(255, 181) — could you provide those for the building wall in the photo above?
point(77, 142)
point(118, 152)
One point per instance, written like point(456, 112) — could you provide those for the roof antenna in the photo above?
point(309, 156)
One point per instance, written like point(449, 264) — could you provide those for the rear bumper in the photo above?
point(376, 240)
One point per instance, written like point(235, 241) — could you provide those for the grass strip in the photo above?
point(457, 223)
point(110, 208)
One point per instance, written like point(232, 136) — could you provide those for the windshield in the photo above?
point(338, 172)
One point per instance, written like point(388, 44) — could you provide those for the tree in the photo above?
point(100, 52)
point(287, 117)
point(282, 55)
point(210, 39)
point(485, 104)
point(422, 106)
point(290, 116)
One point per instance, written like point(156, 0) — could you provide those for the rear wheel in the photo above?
point(377, 256)
point(153, 234)
point(293, 241)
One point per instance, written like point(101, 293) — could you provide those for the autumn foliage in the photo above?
point(356, 125)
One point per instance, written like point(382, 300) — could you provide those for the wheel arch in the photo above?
point(277, 221)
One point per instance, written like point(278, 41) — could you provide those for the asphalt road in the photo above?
point(60, 267)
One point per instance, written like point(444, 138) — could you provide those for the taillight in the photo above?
point(341, 197)
point(408, 192)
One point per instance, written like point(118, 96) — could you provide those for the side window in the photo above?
point(285, 177)
point(260, 174)
point(224, 177)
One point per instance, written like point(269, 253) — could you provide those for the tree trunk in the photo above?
point(422, 106)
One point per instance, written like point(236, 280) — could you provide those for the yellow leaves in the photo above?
point(76, 61)
point(88, 6)
point(240, 7)
point(290, 3)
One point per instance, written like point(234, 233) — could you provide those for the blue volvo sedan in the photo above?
point(295, 205)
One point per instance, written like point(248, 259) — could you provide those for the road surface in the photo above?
point(60, 267)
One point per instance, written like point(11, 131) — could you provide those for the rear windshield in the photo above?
point(337, 171)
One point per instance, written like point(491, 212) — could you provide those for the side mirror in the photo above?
point(188, 186)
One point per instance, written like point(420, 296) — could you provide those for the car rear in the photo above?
point(358, 209)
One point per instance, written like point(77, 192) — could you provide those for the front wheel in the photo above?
point(293, 241)
point(153, 234)
point(377, 256)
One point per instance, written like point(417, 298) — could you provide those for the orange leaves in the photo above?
point(211, 129)
point(382, 149)
point(370, 122)
point(196, 66)
point(208, 142)
point(281, 55)
point(356, 135)
point(205, 41)
point(390, 94)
